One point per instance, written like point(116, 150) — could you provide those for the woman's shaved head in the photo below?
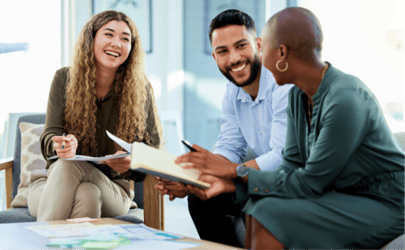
point(298, 29)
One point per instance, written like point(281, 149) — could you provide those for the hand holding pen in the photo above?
point(206, 162)
point(65, 145)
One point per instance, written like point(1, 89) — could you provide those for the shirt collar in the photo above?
point(266, 82)
point(326, 81)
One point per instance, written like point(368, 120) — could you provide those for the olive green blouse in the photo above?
point(106, 115)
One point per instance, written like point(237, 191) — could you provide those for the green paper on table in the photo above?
point(100, 244)
point(100, 237)
point(65, 243)
point(97, 241)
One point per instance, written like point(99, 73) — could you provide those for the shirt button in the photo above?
point(256, 190)
point(266, 190)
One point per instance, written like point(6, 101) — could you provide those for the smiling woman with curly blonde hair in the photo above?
point(130, 84)
point(105, 89)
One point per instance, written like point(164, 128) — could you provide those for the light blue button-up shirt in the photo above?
point(260, 124)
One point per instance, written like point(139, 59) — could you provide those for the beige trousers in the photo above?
point(77, 189)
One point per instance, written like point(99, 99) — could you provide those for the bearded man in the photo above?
point(253, 115)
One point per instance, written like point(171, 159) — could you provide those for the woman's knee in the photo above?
point(87, 202)
point(62, 167)
point(88, 192)
point(262, 238)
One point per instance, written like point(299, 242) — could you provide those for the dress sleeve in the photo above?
point(343, 127)
point(231, 143)
point(55, 113)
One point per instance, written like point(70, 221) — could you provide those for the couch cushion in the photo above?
point(133, 216)
point(13, 215)
point(31, 159)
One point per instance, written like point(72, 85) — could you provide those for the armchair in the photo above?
point(150, 203)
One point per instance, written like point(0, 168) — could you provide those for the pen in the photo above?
point(63, 143)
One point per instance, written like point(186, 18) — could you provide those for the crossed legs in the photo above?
point(78, 189)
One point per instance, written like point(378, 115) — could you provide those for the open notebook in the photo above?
point(159, 163)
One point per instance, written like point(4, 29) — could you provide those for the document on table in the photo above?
point(132, 231)
point(87, 235)
point(64, 230)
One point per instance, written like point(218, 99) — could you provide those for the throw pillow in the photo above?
point(31, 159)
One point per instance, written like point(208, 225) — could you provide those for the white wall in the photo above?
point(366, 38)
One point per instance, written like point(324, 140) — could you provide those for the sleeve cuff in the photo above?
point(261, 183)
point(231, 157)
point(270, 161)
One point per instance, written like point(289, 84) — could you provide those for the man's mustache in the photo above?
point(236, 64)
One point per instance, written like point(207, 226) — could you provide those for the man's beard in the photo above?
point(255, 66)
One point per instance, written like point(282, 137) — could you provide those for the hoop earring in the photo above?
point(278, 68)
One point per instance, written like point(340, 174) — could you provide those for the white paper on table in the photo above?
point(63, 230)
point(158, 244)
point(137, 232)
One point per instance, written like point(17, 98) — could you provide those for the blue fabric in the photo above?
point(22, 214)
point(129, 218)
point(14, 215)
point(260, 124)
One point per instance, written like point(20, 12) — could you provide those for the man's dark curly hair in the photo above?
point(232, 17)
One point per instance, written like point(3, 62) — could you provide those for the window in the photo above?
point(366, 38)
point(30, 53)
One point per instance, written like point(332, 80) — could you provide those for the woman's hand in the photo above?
point(218, 186)
point(121, 165)
point(70, 146)
point(171, 188)
point(208, 163)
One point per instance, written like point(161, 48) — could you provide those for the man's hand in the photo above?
point(70, 148)
point(171, 188)
point(121, 165)
point(208, 163)
point(218, 186)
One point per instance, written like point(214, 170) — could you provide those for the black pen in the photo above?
point(188, 145)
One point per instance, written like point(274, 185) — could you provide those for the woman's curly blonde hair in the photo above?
point(131, 85)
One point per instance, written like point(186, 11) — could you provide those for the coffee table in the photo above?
point(16, 236)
